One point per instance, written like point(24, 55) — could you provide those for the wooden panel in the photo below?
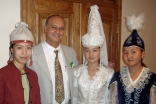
point(106, 29)
point(77, 30)
point(75, 13)
point(103, 2)
point(54, 6)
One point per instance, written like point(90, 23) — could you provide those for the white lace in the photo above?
point(113, 99)
point(138, 84)
point(92, 86)
point(130, 86)
point(87, 77)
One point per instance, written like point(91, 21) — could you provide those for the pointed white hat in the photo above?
point(95, 34)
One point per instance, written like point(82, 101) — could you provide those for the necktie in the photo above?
point(59, 88)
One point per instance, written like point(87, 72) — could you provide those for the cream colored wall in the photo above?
point(148, 33)
point(9, 15)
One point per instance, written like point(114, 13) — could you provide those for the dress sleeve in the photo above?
point(113, 95)
point(75, 88)
point(153, 94)
point(107, 91)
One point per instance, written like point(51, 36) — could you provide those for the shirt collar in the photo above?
point(50, 48)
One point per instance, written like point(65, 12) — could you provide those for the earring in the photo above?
point(31, 62)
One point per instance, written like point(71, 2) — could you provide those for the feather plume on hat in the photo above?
point(134, 24)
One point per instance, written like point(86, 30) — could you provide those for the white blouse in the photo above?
point(95, 91)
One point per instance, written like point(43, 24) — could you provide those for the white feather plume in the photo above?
point(134, 22)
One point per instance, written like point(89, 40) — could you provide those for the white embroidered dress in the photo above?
point(94, 91)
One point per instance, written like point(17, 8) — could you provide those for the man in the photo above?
point(43, 63)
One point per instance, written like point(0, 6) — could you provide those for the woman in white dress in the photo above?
point(91, 79)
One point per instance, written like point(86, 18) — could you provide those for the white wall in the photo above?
point(9, 16)
point(148, 33)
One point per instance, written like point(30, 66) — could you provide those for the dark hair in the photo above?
point(11, 46)
point(51, 16)
point(142, 64)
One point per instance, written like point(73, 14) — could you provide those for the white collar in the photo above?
point(138, 83)
point(49, 47)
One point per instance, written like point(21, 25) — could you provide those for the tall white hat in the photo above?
point(95, 35)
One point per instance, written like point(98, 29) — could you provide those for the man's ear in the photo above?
point(45, 29)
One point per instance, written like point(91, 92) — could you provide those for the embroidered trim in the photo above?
point(21, 41)
point(145, 75)
point(134, 87)
point(87, 78)
point(139, 42)
point(129, 40)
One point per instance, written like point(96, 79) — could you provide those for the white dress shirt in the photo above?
point(50, 58)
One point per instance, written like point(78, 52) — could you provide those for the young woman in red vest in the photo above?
point(19, 84)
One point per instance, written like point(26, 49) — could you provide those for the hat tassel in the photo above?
point(31, 62)
point(9, 61)
point(10, 58)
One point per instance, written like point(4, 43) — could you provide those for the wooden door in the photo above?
point(75, 13)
